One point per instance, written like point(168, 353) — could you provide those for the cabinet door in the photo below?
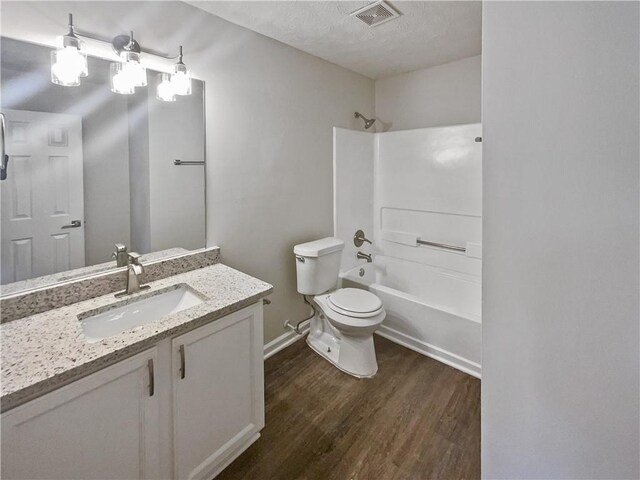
point(218, 392)
point(102, 426)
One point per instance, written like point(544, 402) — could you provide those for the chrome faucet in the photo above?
point(133, 281)
point(364, 256)
point(121, 255)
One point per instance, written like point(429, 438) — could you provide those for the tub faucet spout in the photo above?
point(364, 256)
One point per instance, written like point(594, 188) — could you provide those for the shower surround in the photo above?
point(401, 187)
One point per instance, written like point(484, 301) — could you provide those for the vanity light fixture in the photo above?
point(69, 63)
point(178, 83)
point(181, 78)
point(68, 60)
point(128, 73)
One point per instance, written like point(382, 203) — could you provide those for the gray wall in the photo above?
point(177, 194)
point(560, 313)
point(106, 181)
point(444, 95)
point(270, 112)
point(138, 125)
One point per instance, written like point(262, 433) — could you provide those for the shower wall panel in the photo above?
point(428, 183)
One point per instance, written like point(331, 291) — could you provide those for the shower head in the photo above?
point(367, 122)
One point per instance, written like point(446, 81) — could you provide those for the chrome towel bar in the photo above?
point(179, 162)
point(442, 245)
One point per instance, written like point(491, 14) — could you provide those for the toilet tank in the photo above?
point(318, 265)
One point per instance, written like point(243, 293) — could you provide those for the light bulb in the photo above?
point(68, 62)
point(128, 74)
point(121, 81)
point(181, 78)
point(165, 90)
point(133, 69)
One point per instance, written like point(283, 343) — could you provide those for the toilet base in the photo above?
point(354, 355)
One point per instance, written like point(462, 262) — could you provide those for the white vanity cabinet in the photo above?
point(218, 393)
point(183, 409)
point(101, 426)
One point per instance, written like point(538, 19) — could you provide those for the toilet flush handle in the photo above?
point(300, 259)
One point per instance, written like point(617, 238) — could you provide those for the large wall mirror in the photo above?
point(89, 168)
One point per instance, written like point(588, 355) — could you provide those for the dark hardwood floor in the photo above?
point(416, 419)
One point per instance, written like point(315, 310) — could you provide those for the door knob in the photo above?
point(73, 224)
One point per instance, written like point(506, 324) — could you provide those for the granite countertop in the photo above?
point(45, 351)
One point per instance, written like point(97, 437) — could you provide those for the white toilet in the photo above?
point(345, 318)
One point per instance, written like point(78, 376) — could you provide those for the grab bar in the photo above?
point(180, 162)
point(442, 245)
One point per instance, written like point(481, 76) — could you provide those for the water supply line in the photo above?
point(296, 327)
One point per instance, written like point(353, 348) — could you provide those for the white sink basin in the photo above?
point(140, 312)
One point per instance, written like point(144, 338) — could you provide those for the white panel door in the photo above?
point(43, 193)
point(218, 386)
point(102, 426)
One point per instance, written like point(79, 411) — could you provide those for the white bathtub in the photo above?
point(432, 311)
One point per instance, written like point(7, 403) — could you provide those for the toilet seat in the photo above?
point(348, 322)
point(352, 324)
point(354, 302)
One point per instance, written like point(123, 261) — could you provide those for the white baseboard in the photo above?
point(284, 340)
point(437, 353)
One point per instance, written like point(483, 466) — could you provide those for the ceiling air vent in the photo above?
point(376, 13)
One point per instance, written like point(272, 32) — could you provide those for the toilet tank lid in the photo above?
point(318, 248)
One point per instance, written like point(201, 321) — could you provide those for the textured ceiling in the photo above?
point(427, 33)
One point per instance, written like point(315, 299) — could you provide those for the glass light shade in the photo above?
point(133, 69)
point(181, 80)
point(165, 91)
point(121, 81)
point(68, 64)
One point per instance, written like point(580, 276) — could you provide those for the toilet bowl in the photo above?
point(345, 319)
point(345, 338)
